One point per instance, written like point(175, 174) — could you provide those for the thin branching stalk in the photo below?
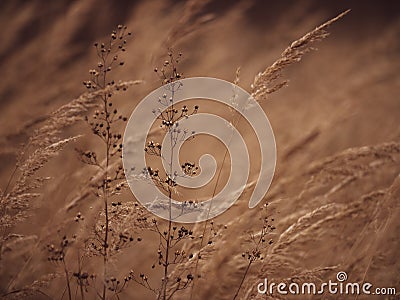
point(243, 278)
point(168, 253)
point(67, 279)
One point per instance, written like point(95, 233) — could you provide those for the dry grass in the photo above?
point(265, 82)
point(113, 231)
point(101, 244)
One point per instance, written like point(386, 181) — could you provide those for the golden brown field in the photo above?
point(334, 201)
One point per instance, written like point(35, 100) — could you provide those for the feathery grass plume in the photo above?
point(23, 183)
point(347, 163)
point(32, 291)
point(15, 200)
point(190, 20)
point(370, 215)
point(14, 204)
point(75, 111)
point(44, 144)
point(293, 232)
point(265, 82)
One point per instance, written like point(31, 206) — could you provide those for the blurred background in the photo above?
point(345, 95)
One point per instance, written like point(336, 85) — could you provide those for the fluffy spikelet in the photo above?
point(266, 83)
point(74, 111)
point(15, 203)
point(44, 144)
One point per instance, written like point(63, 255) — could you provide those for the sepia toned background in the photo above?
point(336, 190)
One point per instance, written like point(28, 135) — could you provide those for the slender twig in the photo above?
point(67, 279)
point(243, 278)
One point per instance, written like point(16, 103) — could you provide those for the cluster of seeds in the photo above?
point(168, 72)
point(153, 148)
point(189, 168)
